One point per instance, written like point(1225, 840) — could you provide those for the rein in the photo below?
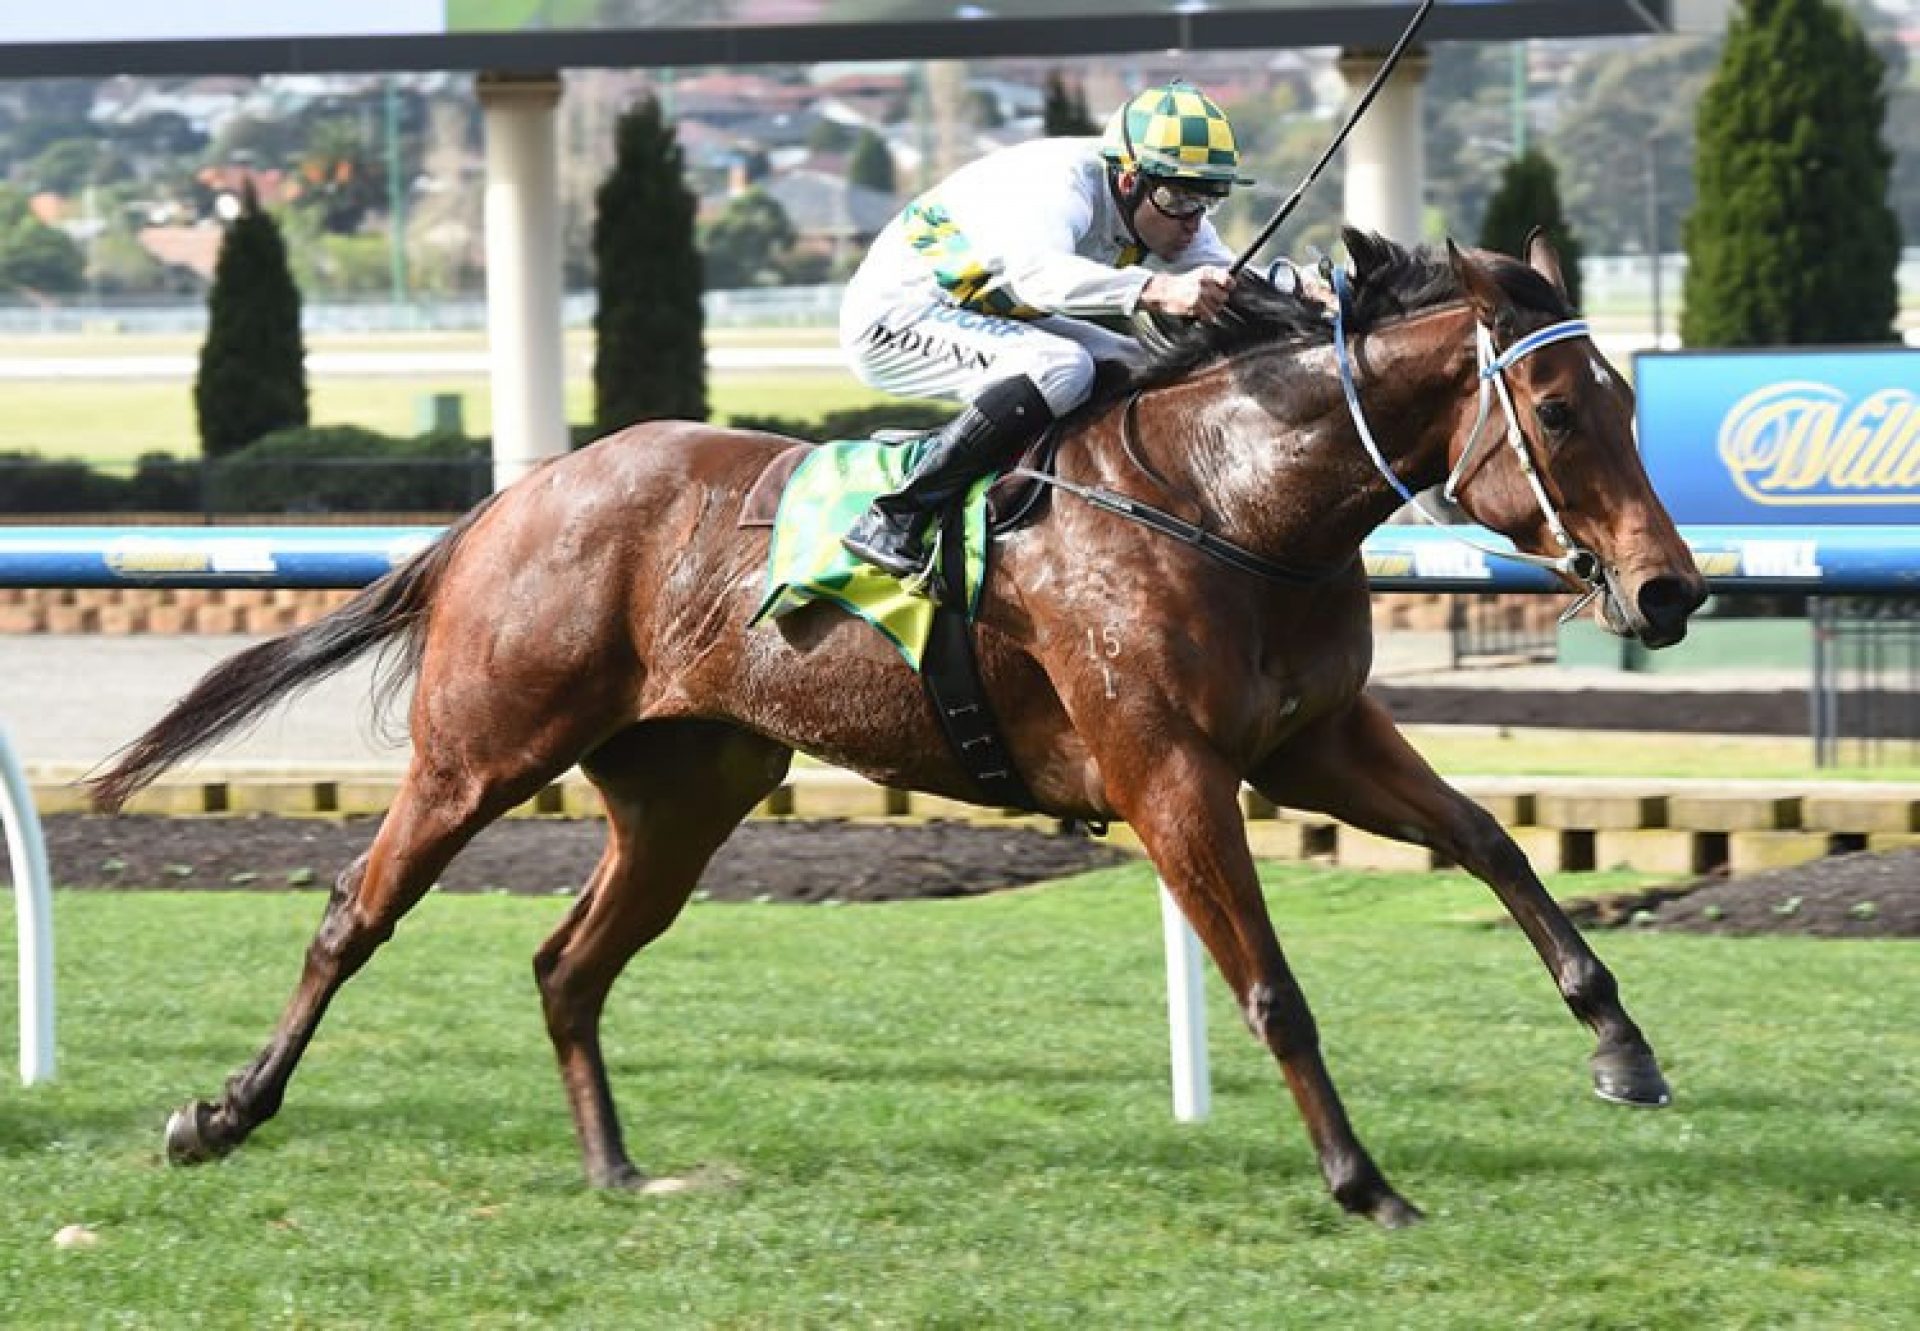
point(1576, 562)
point(1210, 544)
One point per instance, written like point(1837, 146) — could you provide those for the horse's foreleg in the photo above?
point(432, 817)
point(674, 791)
point(1186, 814)
point(1357, 767)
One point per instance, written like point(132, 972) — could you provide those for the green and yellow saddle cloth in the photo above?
point(806, 563)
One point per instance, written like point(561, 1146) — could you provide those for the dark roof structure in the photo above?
point(914, 29)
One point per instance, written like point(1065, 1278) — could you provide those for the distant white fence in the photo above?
point(1610, 282)
point(759, 307)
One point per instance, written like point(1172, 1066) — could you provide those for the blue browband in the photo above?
point(1533, 341)
point(1575, 560)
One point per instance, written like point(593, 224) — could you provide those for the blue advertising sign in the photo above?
point(1783, 437)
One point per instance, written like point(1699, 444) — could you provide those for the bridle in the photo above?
point(1575, 560)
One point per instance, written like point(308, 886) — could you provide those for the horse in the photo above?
point(596, 611)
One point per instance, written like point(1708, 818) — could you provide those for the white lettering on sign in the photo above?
point(1779, 559)
point(1450, 561)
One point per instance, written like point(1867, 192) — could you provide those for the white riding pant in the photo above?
point(913, 341)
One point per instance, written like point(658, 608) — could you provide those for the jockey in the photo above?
point(985, 287)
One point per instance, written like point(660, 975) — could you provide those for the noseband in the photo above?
point(1576, 561)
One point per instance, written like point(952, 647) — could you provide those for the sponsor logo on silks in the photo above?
point(1803, 443)
point(962, 273)
point(1451, 561)
point(1780, 559)
point(918, 342)
point(1387, 564)
point(969, 321)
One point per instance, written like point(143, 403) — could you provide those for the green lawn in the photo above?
point(119, 420)
point(954, 1114)
point(1478, 751)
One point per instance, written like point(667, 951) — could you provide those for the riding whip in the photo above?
point(1360, 109)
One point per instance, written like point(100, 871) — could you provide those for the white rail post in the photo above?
point(33, 906)
point(1186, 1014)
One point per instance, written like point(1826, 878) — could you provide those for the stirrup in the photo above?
point(926, 583)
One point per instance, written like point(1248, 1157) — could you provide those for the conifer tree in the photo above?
point(871, 164)
point(253, 365)
point(1065, 113)
point(1792, 240)
point(1528, 196)
point(649, 360)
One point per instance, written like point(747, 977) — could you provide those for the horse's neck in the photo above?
point(1266, 448)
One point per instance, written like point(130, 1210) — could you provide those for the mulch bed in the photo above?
point(1862, 895)
point(1676, 711)
point(799, 860)
point(1847, 896)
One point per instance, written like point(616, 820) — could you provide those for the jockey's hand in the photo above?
point(1198, 294)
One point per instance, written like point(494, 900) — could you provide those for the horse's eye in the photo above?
point(1555, 416)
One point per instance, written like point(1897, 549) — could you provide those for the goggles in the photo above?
point(1180, 203)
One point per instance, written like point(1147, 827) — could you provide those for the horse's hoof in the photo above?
point(1630, 1077)
point(1395, 1212)
point(622, 1177)
point(188, 1140)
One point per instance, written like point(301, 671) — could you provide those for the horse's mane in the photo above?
point(1388, 281)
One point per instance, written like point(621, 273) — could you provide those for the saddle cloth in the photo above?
point(830, 488)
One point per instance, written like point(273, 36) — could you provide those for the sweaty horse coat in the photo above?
point(595, 613)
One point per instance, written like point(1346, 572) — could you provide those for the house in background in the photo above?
point(834, 219)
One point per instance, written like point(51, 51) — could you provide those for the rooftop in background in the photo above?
point(105, 37)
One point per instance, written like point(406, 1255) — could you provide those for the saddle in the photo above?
point(1014, 501)
point(949, 666)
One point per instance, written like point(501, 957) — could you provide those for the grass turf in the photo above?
point(955, 1114)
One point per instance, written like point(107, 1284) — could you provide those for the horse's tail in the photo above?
point(388, 614)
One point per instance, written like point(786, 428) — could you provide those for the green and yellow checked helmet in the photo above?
point(1175, 132)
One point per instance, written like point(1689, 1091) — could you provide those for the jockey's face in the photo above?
point(1166, 228)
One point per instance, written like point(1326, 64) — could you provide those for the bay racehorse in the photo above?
point(596, 613)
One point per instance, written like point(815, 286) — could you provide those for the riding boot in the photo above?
point(891, 534)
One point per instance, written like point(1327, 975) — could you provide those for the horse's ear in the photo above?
point(1489, 300)
point(1544, 259)
point(1366, 249)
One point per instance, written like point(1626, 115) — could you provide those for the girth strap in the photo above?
point(951, 671)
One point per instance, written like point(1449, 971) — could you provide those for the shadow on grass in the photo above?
point(33, 1123)
point(921, 1069)
point(1880, 1173)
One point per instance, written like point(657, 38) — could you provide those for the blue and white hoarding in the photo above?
point(1783, 437)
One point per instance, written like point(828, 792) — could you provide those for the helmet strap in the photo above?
point(1129, 198)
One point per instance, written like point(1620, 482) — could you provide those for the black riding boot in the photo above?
point(891, 534)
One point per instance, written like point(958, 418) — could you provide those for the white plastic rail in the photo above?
point(33, 906)
point(1186, 1015)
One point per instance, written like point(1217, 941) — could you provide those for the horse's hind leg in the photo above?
point(674, 791)
point(439, 808)
point(1359, 768)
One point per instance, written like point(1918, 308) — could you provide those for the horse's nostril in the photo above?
point(1667, 600)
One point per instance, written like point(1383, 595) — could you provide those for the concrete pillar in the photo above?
point(1386, 156)
point(524, 330)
